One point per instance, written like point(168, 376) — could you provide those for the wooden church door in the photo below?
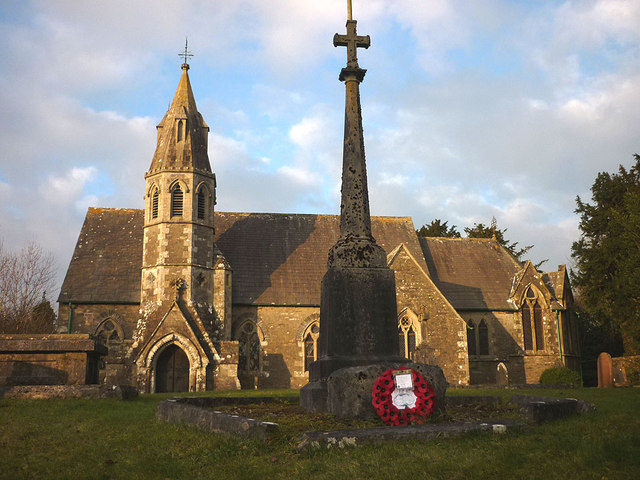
point(172, 370)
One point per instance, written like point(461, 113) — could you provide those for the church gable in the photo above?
point(440, 332)
point(524, 280)
point(180, 328)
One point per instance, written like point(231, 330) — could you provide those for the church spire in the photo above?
point(182, 133)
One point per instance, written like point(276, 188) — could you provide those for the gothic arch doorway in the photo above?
point(172, 370)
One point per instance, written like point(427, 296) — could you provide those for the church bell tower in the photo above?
point(178, 254)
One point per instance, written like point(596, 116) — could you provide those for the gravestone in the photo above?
point(605, 371)
point(502, 375)
point(358, 310)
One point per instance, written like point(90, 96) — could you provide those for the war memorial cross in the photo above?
point(351, 40)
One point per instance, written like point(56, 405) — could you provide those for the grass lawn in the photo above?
point(108, 439)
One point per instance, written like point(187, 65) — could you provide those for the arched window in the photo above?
point(154, 203)
point(471, 339)
point(249, 350)
point(483, 338)
point(406, 337)
point(532, 322)
point(537, 323)
point(526, 327)
point(311, 344)
point(109, 333)
point(201, 204)
point(478, 338)
point(176, 201)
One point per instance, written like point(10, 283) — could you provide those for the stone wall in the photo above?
point(626, 370)
point(54, 359)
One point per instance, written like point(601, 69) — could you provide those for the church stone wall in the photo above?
point(280, 330)
point(87, 318)
point(114, 368)
point(506, 346)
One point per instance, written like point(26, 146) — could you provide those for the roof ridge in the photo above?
point(114, 209)
point(458, 239)
point(307, 214)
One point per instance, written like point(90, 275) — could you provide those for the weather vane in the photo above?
point(187, 53)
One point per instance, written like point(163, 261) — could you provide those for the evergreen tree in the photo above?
point(43, 318)
point(437, 228)
point(480, 230)
point(607, 255)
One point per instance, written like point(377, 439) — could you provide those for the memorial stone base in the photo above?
point(347, 392)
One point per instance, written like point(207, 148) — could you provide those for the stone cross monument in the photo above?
point(358, 312)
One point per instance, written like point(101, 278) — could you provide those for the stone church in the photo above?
point(188, 298)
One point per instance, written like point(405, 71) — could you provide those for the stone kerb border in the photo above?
point(199, 412)
point(119, 392)
point(346, 438)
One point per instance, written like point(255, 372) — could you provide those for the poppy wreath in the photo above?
point(389, 413)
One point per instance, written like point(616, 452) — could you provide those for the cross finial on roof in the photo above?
point(186, 54)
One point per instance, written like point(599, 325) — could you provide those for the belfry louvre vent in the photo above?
point(176, 202)
point(154, 204)
point(201, 200)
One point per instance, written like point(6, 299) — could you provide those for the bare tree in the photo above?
point(25, 276)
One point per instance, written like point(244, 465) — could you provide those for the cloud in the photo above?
point(59, 190)
point(471, 109)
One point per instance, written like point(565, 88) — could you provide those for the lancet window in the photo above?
point(532, 321)
point(407, 337)
point(311, 344)
point(249, 354)
point(478, 338)
point(180, 130)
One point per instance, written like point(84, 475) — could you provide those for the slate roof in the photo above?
point(281, 258)
point(106, 263)
point(472, 273)
point(276, 258)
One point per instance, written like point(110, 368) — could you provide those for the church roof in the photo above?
point(281, 258)
point(472, 273)
point(107, 260)
point(276, 258)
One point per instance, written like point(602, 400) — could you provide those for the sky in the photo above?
point(471, 110)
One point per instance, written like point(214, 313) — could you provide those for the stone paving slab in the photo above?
point(462, 400)
point(543, 409)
